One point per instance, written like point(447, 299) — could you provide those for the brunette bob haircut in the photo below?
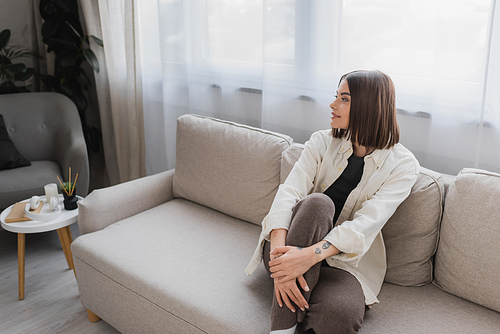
point(372, 117)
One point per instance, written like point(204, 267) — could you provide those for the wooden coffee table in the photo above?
point(61, 224)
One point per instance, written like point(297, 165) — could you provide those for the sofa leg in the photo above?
point(92, 316)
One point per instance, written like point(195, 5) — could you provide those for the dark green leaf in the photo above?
point(80, 100)
point(94, 137)
point(50, 81)
point(23, 53)
point(76, 96)
point(67, 91)
point(17, 68)
point(10, 88)
point(69, 6)
point(97, 40)
point(4, 38)
point(41, 8)
point(5, 52)
point(74, 30)
point(50, 8)
point(81, 83)
point(91, 59)
point(22, 89)
point(68, 61)
point(49, 28)
point(62, 41)
point(4, 61)
point(87, 79)
point(75, 22)
point(25, 76)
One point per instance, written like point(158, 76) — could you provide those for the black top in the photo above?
point(347, 181)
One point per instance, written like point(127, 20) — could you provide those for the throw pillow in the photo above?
point(411, 234)
point(9, 155)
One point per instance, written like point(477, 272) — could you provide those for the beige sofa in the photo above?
point(167, 253)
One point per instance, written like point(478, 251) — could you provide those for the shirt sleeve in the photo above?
point(355, 237)
point(298, 185)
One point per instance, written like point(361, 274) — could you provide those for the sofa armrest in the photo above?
point(106, 206)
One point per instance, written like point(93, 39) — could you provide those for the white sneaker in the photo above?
point(284, 331)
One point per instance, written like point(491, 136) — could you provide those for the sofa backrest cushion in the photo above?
point(229, 167)
point(468, 255)
point(411, 234)
point(39, 122)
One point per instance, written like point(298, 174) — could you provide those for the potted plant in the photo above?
point(68, 190)
point(11, 71)
point(63, 35)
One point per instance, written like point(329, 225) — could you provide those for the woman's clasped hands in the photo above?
point(288, 266)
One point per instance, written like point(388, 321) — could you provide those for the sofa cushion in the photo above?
point(411, 234)
point(240, 180)
point(468, 256)
point(9, 155)
point(181, 260)
point(427, 309)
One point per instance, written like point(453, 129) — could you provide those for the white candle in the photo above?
point(50, 191)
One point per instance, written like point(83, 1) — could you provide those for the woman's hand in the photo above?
point(289, 292)
point(293, 262)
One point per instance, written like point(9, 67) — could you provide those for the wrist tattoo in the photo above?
point(300, 248)
point(326, 245)
point(317, 251)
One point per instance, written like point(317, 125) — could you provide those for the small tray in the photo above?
point(44, 215)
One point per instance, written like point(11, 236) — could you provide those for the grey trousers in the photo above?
point(336, 300)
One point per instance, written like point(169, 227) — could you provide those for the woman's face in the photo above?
point(341, 107)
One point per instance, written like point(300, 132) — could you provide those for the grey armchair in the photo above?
point(46, 129)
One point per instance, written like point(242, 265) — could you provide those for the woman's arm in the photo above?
point(278, 238)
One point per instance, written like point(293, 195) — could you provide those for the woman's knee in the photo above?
point(345, 318)
point(337, 302)
point(335, 317)
point(317, 202)
point(312, 220)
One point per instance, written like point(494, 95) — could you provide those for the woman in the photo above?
point(321, 241)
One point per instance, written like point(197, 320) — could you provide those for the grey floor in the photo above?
point(51, 303)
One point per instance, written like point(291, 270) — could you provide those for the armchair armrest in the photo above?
point(106, 206)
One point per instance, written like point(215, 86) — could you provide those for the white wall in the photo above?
point(15, 15)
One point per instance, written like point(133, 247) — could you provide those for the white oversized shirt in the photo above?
point(388, 176)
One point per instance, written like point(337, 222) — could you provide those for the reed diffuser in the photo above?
point(68, 191)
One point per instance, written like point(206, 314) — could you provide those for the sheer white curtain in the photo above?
point(119, 86)
point(276, 63)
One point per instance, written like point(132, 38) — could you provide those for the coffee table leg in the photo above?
point(21, 243)
point(66, 239)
